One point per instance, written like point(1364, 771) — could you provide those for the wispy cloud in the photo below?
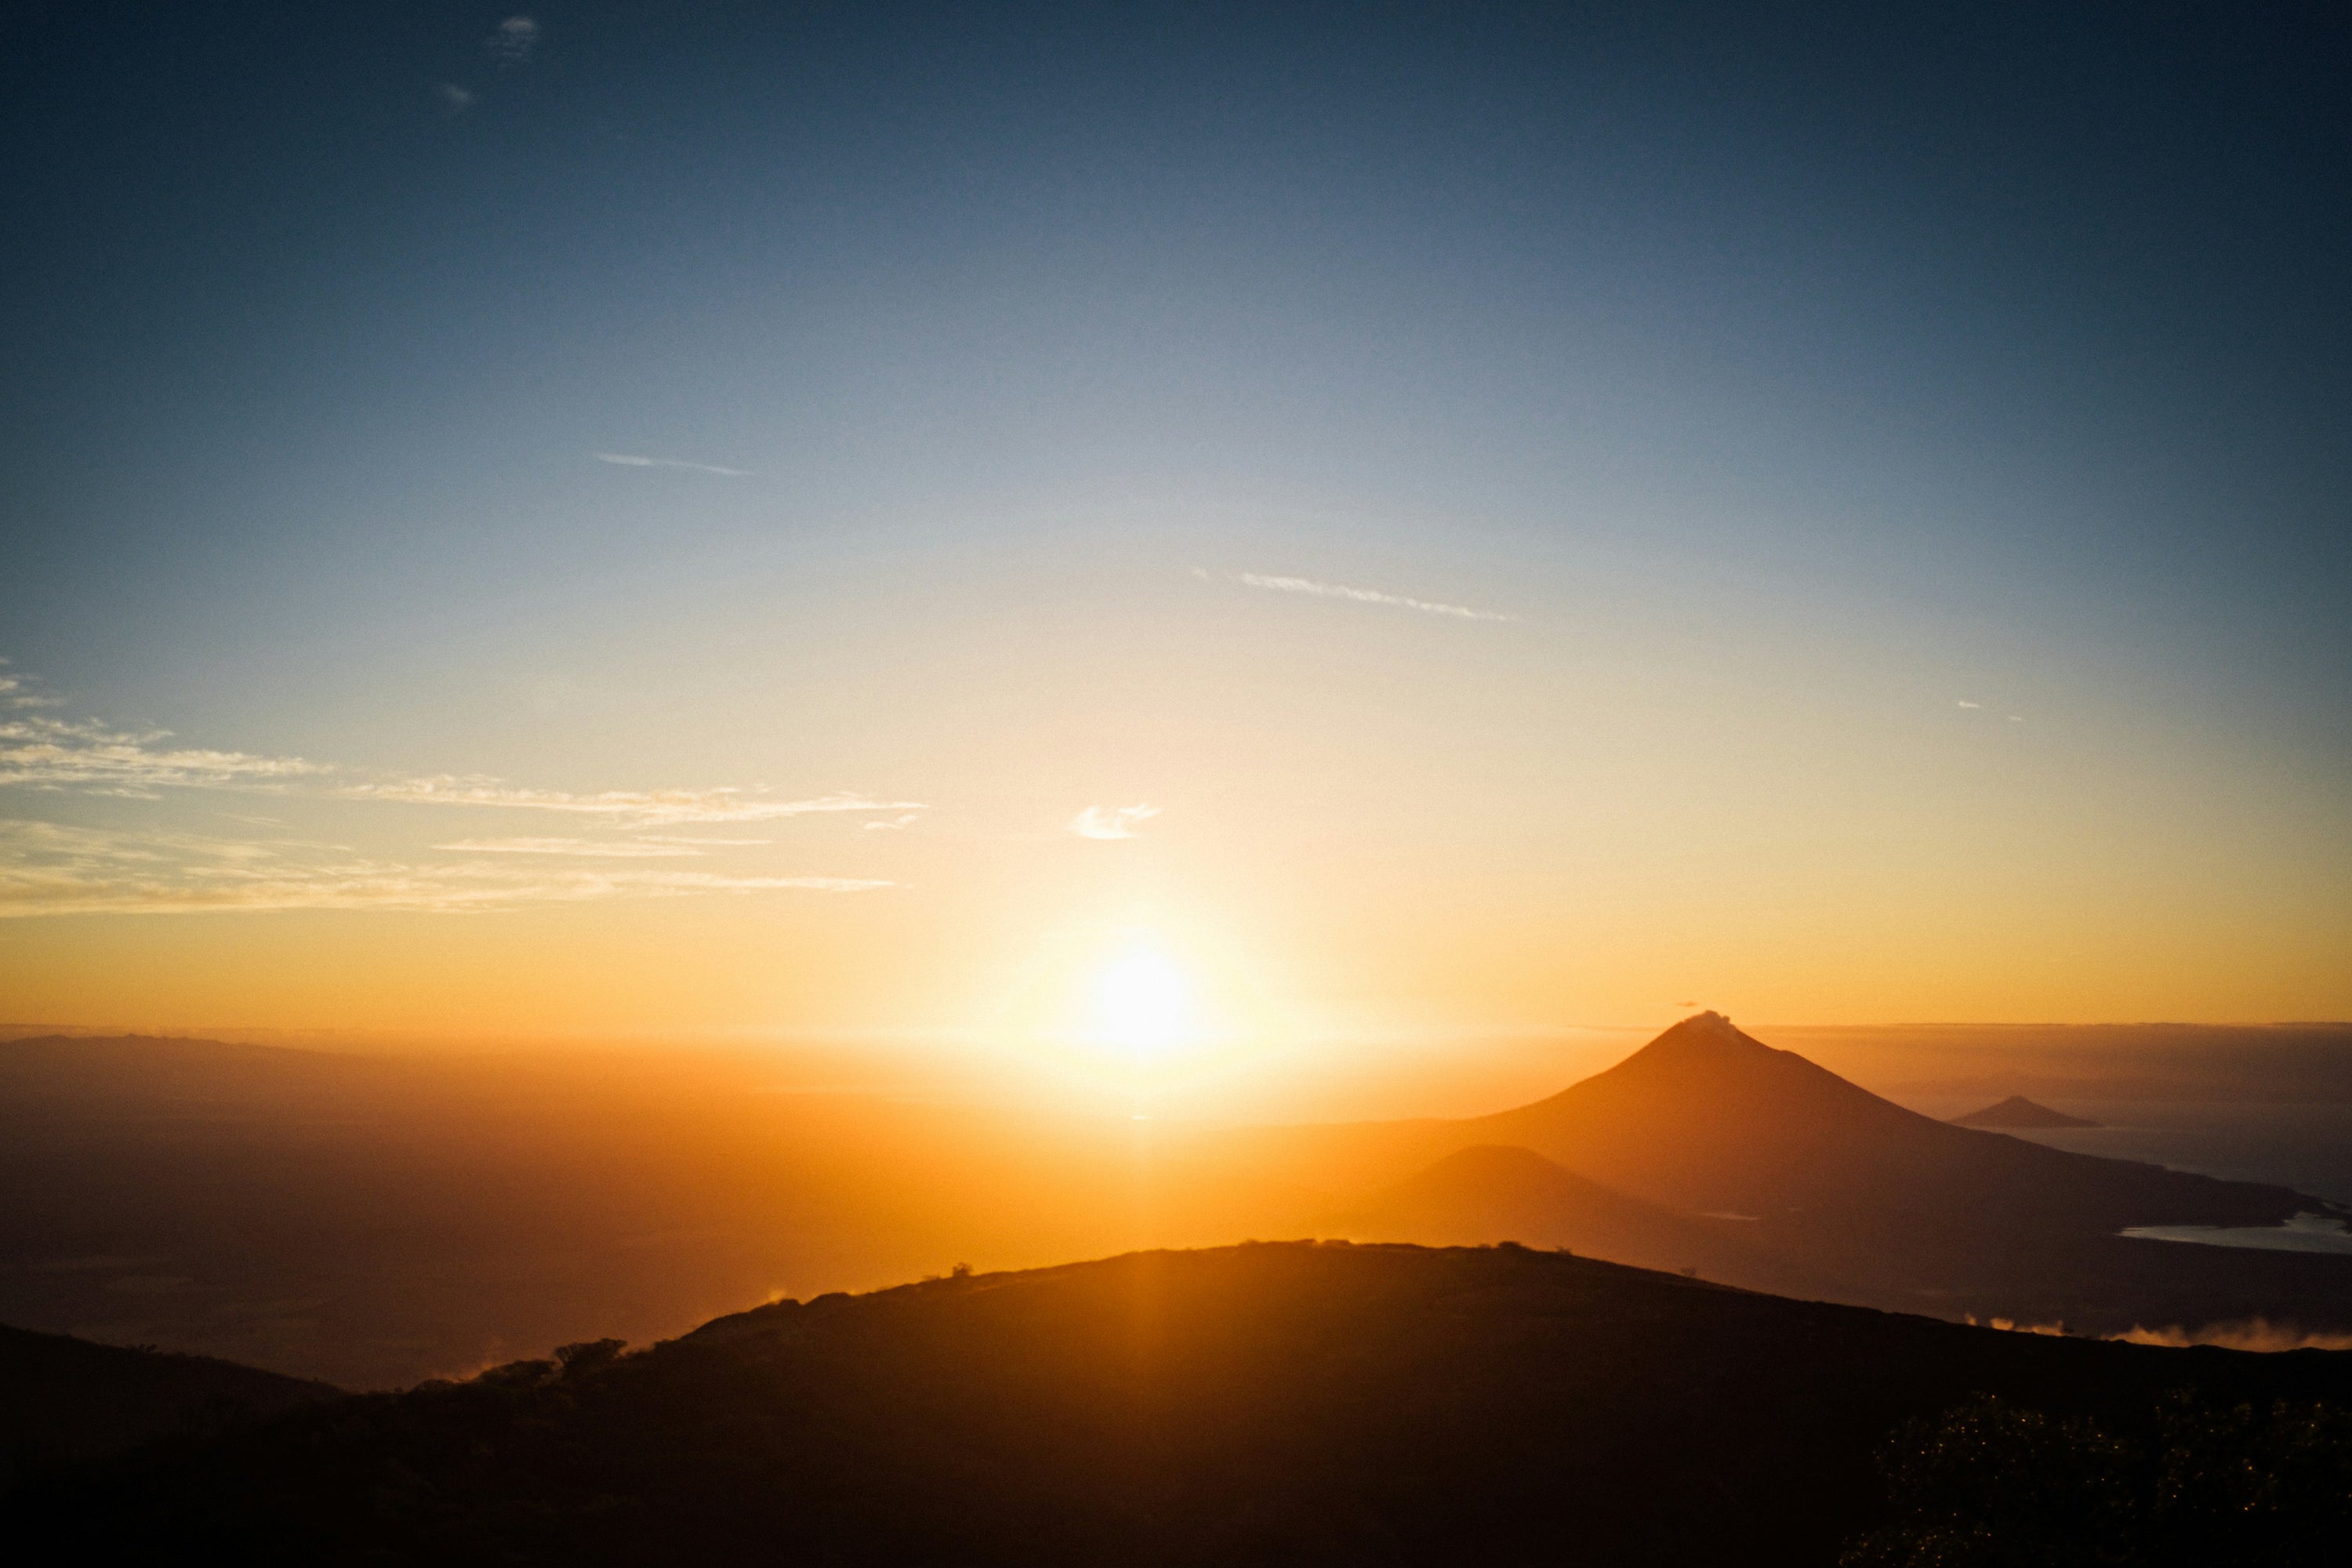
point(649, 808)
point(48, 869)
point(70, 845)
point(42, 752)
point(39, 750)
point(642, 837)
point(1966, 703)
point(908, 820)
point(516, 39)
point(1363, 596)
point(386, 887)
point(1112, 822)
point(631, 460)
point(14, 693)
point(588, 849)
point(455, 98)
point(54, 867)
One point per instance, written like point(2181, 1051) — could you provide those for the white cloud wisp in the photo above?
point(1362, 597)
point(50, 867)
point(1112, 822)
point(582, 849)
point(642, 808)
point(633, 461)
point(516, 39)
point(47, 752)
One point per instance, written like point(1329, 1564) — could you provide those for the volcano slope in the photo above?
point(1766, 1171)
point(1494, 1193)
point(1297, 1403)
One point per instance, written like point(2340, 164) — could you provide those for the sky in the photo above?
point(1390, 523)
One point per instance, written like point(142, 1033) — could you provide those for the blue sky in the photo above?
point(1791, 389)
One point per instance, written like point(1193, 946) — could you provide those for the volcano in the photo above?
point(1707, 1117)
point(1711, 1151)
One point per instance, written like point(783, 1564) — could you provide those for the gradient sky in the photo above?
point(1439, 521)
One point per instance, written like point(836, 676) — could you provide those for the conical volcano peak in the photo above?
point(1705, 1053)
point(1704, 1035)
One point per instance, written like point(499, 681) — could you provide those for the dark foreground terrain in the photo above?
point(1270, 1403)
point(66, 1398)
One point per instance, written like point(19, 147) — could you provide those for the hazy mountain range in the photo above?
point(371, 1220)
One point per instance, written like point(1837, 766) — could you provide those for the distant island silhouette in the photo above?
point(2019, 1111)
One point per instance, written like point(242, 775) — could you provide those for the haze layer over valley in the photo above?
point(371, 1220)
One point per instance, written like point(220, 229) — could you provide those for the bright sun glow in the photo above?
point(1140, 1002)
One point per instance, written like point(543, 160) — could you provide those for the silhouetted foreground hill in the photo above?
point(65, 1397)
point(1293, 1402)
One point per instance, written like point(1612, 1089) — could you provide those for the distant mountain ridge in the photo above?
point(175, 1071)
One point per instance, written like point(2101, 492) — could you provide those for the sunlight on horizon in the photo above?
point(1142, 1003)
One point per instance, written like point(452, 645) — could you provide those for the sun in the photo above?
point(1142, 1003)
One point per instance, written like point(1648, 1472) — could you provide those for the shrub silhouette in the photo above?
point(589, 1356)
point(1990, 1485)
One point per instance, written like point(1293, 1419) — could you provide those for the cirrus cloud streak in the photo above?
point(1312, 589)
point(649, 808)
point(50, 869)
point(53, 867)
point(635, 460)
point(40, 750)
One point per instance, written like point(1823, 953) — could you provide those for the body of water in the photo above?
point(2307, 1147)
point(2305, 1233)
